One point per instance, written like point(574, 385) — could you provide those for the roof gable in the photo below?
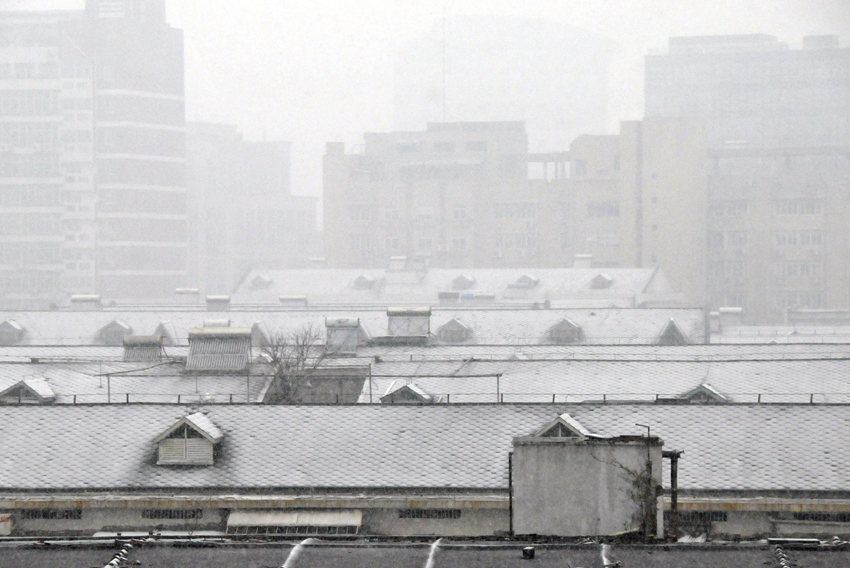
point(704, 393)
point(671, 335)
point(565, 331)
point(197, 422)
point(113, 333)
point(454, 331)
point(11, 332)
point(565, 426)
point(601, 282)
point(167, 331)
point(31, 389)
point(463, 282)
point(407, 394)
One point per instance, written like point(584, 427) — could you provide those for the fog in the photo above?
point(309, 73)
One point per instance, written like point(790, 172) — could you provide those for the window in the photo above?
point(172, 513)
point(728, 208)
point(476, 146)
point(579, 168)
point(429, 513)
point(52, 514)
point(823, 517)
point(698, 517)
point(391, 243)
point(360, 212)
point(458, 243)
point(459, 214)
point(444, 146)
point(802, 206)
point(603, 208)
point(390, 214)
point(426, 243)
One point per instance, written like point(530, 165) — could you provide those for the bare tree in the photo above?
point(293, 357)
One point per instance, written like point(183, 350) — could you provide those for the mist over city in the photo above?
point(480, 283)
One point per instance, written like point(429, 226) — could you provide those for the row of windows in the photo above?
point(797, 238)
point(726, 270)
point(29, 195)
point(728, 208)
point(429, 513)
point(295, 530)
point(52, 514)
point(516, 240)
point(27, 134)
point(29, 253)
point(793, 269)
point(804, 206)
point(515, 210)
point(729, 239)
point(30, 224)
point(33, 283)
point(442, 146)
point(44, 70)
point(823, 517)
point(799, 299)
point(172, 513)
point(27, 102)
point(603, 209)
point(697, 517)
point(42, 164)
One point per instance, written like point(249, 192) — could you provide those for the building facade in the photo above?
point(93, 153)
point(778, 130)
point(242, 214)
point(470, 195)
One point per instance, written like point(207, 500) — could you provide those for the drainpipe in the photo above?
point(511, 493)
point(674, 489)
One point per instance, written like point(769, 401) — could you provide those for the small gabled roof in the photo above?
point(363, 282)
point(526, 281)
point(167, 331)
point(198, 422)
point(570, 423)
point(463, 281)
point(411, 390)
point(671, 335)
point(704, 390)
point(11, 332)
point(36, 386)
point(601, 281)
point(453, 324)
point(260, 334)
point(261, 281)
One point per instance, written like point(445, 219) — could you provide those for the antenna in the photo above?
point(444, 61)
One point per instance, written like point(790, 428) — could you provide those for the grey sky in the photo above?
point(321, 70)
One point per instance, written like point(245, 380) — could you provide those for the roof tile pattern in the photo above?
point(444, 446)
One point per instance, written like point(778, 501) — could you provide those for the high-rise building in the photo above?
point(92, 153)
point(242, 214)
point(778, 128)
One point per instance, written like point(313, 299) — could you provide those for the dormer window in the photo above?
point(525, 281)
point(565, 332)
point(11, 332)
point(671, 335)
point(33, 390)
point(454, 331)
point(113, 333)
point(704, 394)
point(364, 282)
point(565, 426)
point(261, 282)
point(167, 332)
point(463, 282)
point(407, 394)
point(190, 441)
point(601, 282)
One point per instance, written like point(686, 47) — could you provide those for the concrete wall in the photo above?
point(571, 487)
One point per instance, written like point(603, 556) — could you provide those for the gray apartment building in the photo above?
point(92, 153)
point(777, 123)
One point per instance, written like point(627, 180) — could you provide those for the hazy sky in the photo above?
point(312, 71)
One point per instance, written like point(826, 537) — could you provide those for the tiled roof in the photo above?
point(737, 447)
point(489, 326)
point(629, 285)
point(103, 382)
point(766, 381)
